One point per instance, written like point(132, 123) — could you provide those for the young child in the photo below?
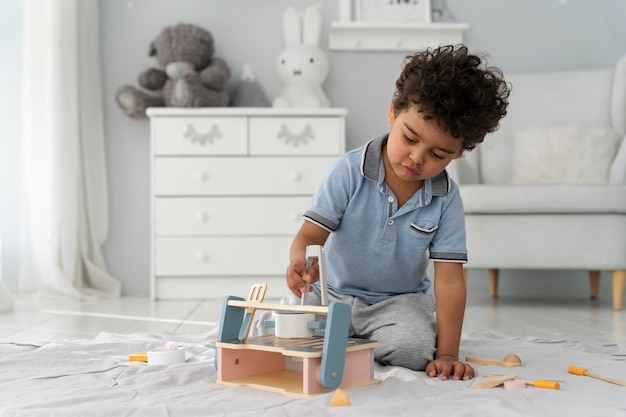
point(388, 207)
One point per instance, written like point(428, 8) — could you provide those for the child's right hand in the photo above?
point(298, 276)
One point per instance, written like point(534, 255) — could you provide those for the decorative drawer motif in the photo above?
point(233, 176)
point(222, 256)
point(295, 136)
point(235, 216)
point(201, 136)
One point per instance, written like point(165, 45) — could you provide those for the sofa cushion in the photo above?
point(555, 98)
point(563, 155)
point(546, 198)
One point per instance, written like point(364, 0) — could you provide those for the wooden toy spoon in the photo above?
point(511, 360)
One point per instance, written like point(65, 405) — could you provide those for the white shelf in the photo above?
point(368, 36)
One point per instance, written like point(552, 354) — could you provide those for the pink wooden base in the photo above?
point(357, 371)
point(240, 363)
point(266, 370)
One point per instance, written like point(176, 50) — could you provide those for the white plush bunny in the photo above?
point(302, 65)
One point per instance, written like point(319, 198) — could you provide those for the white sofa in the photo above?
point(548, 189)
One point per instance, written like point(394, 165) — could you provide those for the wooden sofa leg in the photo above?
point(594, 281)
point(493, 282)
point(619, 279)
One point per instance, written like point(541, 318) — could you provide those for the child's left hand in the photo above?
point(448, 367)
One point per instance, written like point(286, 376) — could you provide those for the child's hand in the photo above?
point(297, 276)
point(448, 366)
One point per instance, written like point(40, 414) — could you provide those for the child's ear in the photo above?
point(391, 114)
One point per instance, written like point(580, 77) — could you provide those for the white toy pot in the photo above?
point(293, 325)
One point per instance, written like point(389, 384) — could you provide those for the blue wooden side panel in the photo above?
point(230, 323)
point(244, 326)
point(335, 344)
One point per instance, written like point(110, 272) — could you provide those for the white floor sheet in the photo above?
point(95, 378)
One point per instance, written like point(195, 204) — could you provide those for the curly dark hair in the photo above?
point(449, 85)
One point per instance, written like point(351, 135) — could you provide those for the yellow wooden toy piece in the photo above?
point(340, 398)
point(138, 357)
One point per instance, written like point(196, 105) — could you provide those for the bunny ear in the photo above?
point(292, 26)
point(312, 26)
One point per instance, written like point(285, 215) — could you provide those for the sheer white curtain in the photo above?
point(64, 202)
point(6, 299)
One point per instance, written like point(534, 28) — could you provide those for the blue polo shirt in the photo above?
point(376, 250)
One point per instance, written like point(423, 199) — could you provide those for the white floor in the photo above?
point(548, 317)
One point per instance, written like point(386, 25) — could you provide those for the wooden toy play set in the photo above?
point(293, 361)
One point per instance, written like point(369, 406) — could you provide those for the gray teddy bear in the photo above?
point(191, 76)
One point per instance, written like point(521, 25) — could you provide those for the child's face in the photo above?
point(419, 149)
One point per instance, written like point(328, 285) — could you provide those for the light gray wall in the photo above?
point(519, 35)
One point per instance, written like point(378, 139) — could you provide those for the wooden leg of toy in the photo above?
point(619, 280)
point(493, 282)
point(594, 283)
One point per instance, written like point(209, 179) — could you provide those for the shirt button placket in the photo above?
point(391, 200)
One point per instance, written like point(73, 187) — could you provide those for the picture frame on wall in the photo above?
point(398, 11)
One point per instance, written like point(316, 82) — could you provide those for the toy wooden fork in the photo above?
point(257, 293)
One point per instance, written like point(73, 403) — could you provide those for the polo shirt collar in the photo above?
point(372, 167)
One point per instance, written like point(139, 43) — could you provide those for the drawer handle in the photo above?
point(296, 175)
point(202, 256)
point(202, 216)
point(202, 175)
point(295, 138)
point(203, 138)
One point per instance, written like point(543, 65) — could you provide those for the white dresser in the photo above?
point(228, 187)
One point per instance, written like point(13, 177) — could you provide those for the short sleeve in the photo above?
point(449, 242)
point(331, 199)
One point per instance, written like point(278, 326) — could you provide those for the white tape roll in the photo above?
point(166, 356)
point(293, 325)
point(514, 384)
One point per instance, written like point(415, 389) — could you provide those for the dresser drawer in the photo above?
point(234, 216)
point(234, 176)
point(200, 136)
point(222, 256)
point(296, 136)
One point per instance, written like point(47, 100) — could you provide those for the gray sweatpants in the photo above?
point(404, 325)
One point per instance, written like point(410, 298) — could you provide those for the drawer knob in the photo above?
point(202, 256)
point(202, 175)
point(296, 176)
point(296, 215)
point(202, 216)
